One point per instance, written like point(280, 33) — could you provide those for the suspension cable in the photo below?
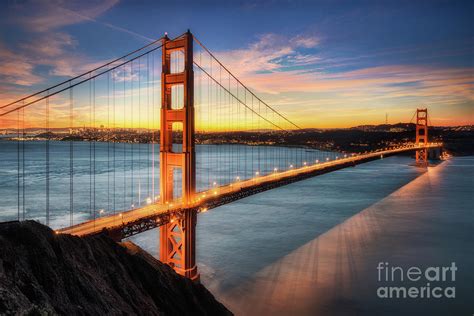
point(83, 74)
point(217, 60)
point(82, 81)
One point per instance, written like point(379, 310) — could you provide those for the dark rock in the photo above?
point(45, 273)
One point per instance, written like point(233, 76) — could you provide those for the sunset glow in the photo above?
point(311, 70)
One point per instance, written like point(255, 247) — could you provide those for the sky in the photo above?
point(324, 64)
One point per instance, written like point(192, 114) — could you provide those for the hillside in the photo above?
point(41, 272)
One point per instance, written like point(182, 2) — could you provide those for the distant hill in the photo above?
point(399, 127)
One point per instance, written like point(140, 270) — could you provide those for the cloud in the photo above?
point(295, 76)
point(305, 41)
point(52, 50)
point(43, 15)
point(16, 69)
point(273, 63)
point(270, 53)
point(50, 45)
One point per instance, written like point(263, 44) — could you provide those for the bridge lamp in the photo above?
point(337, 157)
point(327, 158)
point(257, 173)
point(101, 211)
point(133, 205)
point(237, 178)
point(275, 169)
point(148, 200)
point(304, 163)
point(215, 192)
point(345, 155)
point(291, 166)
point(317, 160)
point(204, 210)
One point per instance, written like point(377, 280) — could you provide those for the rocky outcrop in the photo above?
point(42, 272)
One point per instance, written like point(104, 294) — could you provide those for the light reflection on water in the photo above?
point(427, 222)
point(312, 247)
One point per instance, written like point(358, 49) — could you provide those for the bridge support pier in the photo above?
point(178, 237)
point(422, 137)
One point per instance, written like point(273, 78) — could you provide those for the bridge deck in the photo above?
point(131, 222)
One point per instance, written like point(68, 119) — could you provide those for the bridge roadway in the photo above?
point(134, 221)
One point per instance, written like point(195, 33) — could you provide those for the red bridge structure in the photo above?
point(107, 119)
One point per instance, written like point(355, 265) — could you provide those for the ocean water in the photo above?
point(235, 241)
point(312, 247)
point(309, 248)
point(109, 178)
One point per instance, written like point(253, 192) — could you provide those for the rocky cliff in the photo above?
point(42, 272)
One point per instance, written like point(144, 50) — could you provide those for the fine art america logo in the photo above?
point(435, 281)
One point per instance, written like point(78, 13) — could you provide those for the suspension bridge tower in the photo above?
point(422, 136)
point(178, 237)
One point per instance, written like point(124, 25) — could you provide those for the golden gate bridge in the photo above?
point(158, 111)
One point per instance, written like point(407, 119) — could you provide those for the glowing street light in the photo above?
point(148, 200)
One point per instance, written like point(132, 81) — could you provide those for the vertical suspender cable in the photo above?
point(108, 143)
point(47, 159)
point(23, 161)
point(71, 158)
point(115, 135)
point(124, 202)
point(132, 143)
point(90, 145)
point(148, 122)
point(18, 161)
point(93, 149)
